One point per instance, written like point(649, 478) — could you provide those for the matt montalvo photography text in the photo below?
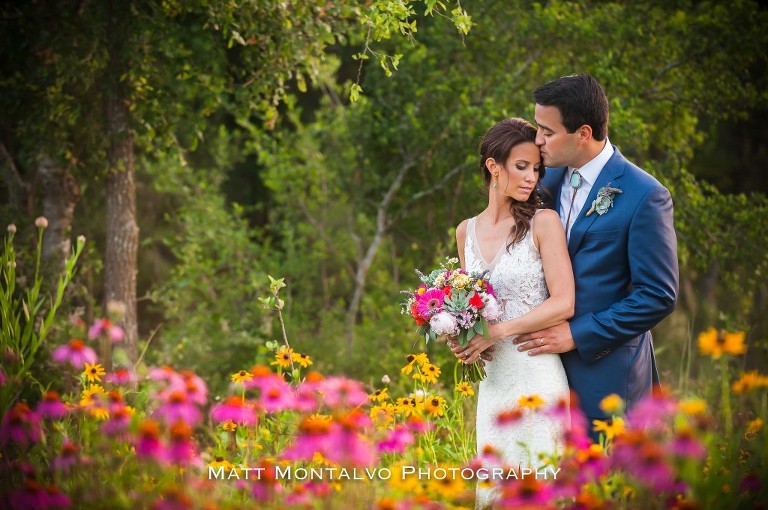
point(342, 473)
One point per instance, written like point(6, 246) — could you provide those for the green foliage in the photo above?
point(26, 316)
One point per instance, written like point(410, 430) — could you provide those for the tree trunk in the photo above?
point(18, 190)
point(120, 264)
point(61, 193)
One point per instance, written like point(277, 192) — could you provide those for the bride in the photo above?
point(523, 247)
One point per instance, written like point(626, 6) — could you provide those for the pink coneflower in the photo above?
point(652, 412)
point(276, 396)
point(193, 384)
point(173, 498)
point(181, 449)
point(56, 498)
point(528, 492)
point(644, 459)
point(312, 437)
point(397, 441)
point(121, 377)
point(430, 302)
point(686, 445)
point(20, 425)
point(236, 409)
point(51, 406)
point(105, 326)
point(418, 425)
point(75, 352)
point(177, 407)
point(119, 419)
point(3, 378)
point(299, 496)
point(164, 373)
point(149, 445)
point(342, 392)
point(346, 445)
point(266, 485)
point(29, 495)
point(67, 457)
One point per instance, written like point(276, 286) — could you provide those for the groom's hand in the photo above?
point(556, 339)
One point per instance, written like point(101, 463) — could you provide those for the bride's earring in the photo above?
point(495, 181)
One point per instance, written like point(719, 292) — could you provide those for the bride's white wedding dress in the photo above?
point(518, 281)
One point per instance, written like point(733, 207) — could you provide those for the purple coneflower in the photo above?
point(177, 407)
point(312, 437)
point(181, 449)
point(56, 498)
point(398, 440)
point(276, 396)
point(119, 419)
point(20, 425)
point(685, 444)
point(51, 406)
point(67, 457)
point(430, 302)
point(342, 392)
point(164, 373)
point(528, 492)
point(192, 384)
point(173, 498)
point(29, 495)
point(235, 409)
point(149, 445)
point(105, 326)
point(121, 377)
point(3, 378)
point(75, 352)
point(345, 444)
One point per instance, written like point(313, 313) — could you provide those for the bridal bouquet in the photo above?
point(452, 302)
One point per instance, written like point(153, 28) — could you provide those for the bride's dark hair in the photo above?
point(497, 143)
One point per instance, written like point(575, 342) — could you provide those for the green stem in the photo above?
point(726, 397)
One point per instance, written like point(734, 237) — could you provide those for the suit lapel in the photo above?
point(555, 185)
point(610, 173)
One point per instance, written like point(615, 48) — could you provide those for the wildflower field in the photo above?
point(287, 436)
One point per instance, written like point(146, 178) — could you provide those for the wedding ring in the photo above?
point(541, 341)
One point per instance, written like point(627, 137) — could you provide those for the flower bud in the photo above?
point(12, 228)
point(80, 241)
point(41, 222)
point(385, 379)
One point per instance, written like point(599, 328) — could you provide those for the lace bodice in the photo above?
point(517, 276)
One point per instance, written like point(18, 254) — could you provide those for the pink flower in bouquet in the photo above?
point(443, 323)
point(105, 326)
point(236, 409)
point(75, 352)
point(430, 303)
point(491, 309)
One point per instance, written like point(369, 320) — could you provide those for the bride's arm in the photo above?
point(550, 237)
point(461, 237)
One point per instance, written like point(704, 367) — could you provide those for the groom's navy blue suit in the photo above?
point(625, 267)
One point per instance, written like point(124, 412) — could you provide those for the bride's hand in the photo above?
point(459, 351)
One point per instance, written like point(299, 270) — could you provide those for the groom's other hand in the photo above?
point(556, 339)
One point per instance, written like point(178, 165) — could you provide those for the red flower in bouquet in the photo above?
point(420, 321)
point(476, 301)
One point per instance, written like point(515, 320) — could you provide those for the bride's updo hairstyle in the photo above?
point(498, 143)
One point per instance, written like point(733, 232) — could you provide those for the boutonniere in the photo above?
point(604, 200)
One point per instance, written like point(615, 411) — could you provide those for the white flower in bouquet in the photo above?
point(444, 323)
point(491, 310)
point(461, 280)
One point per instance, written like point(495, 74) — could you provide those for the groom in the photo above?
point(621, 239)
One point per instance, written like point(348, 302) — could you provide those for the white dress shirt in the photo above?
point(589, 173)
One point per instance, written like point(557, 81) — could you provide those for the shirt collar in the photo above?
point(591, 170)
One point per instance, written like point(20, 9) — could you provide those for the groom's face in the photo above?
point(558, 147)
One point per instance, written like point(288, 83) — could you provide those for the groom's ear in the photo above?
point(585, 134)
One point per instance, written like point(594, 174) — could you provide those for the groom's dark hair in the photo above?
point(580, 99)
